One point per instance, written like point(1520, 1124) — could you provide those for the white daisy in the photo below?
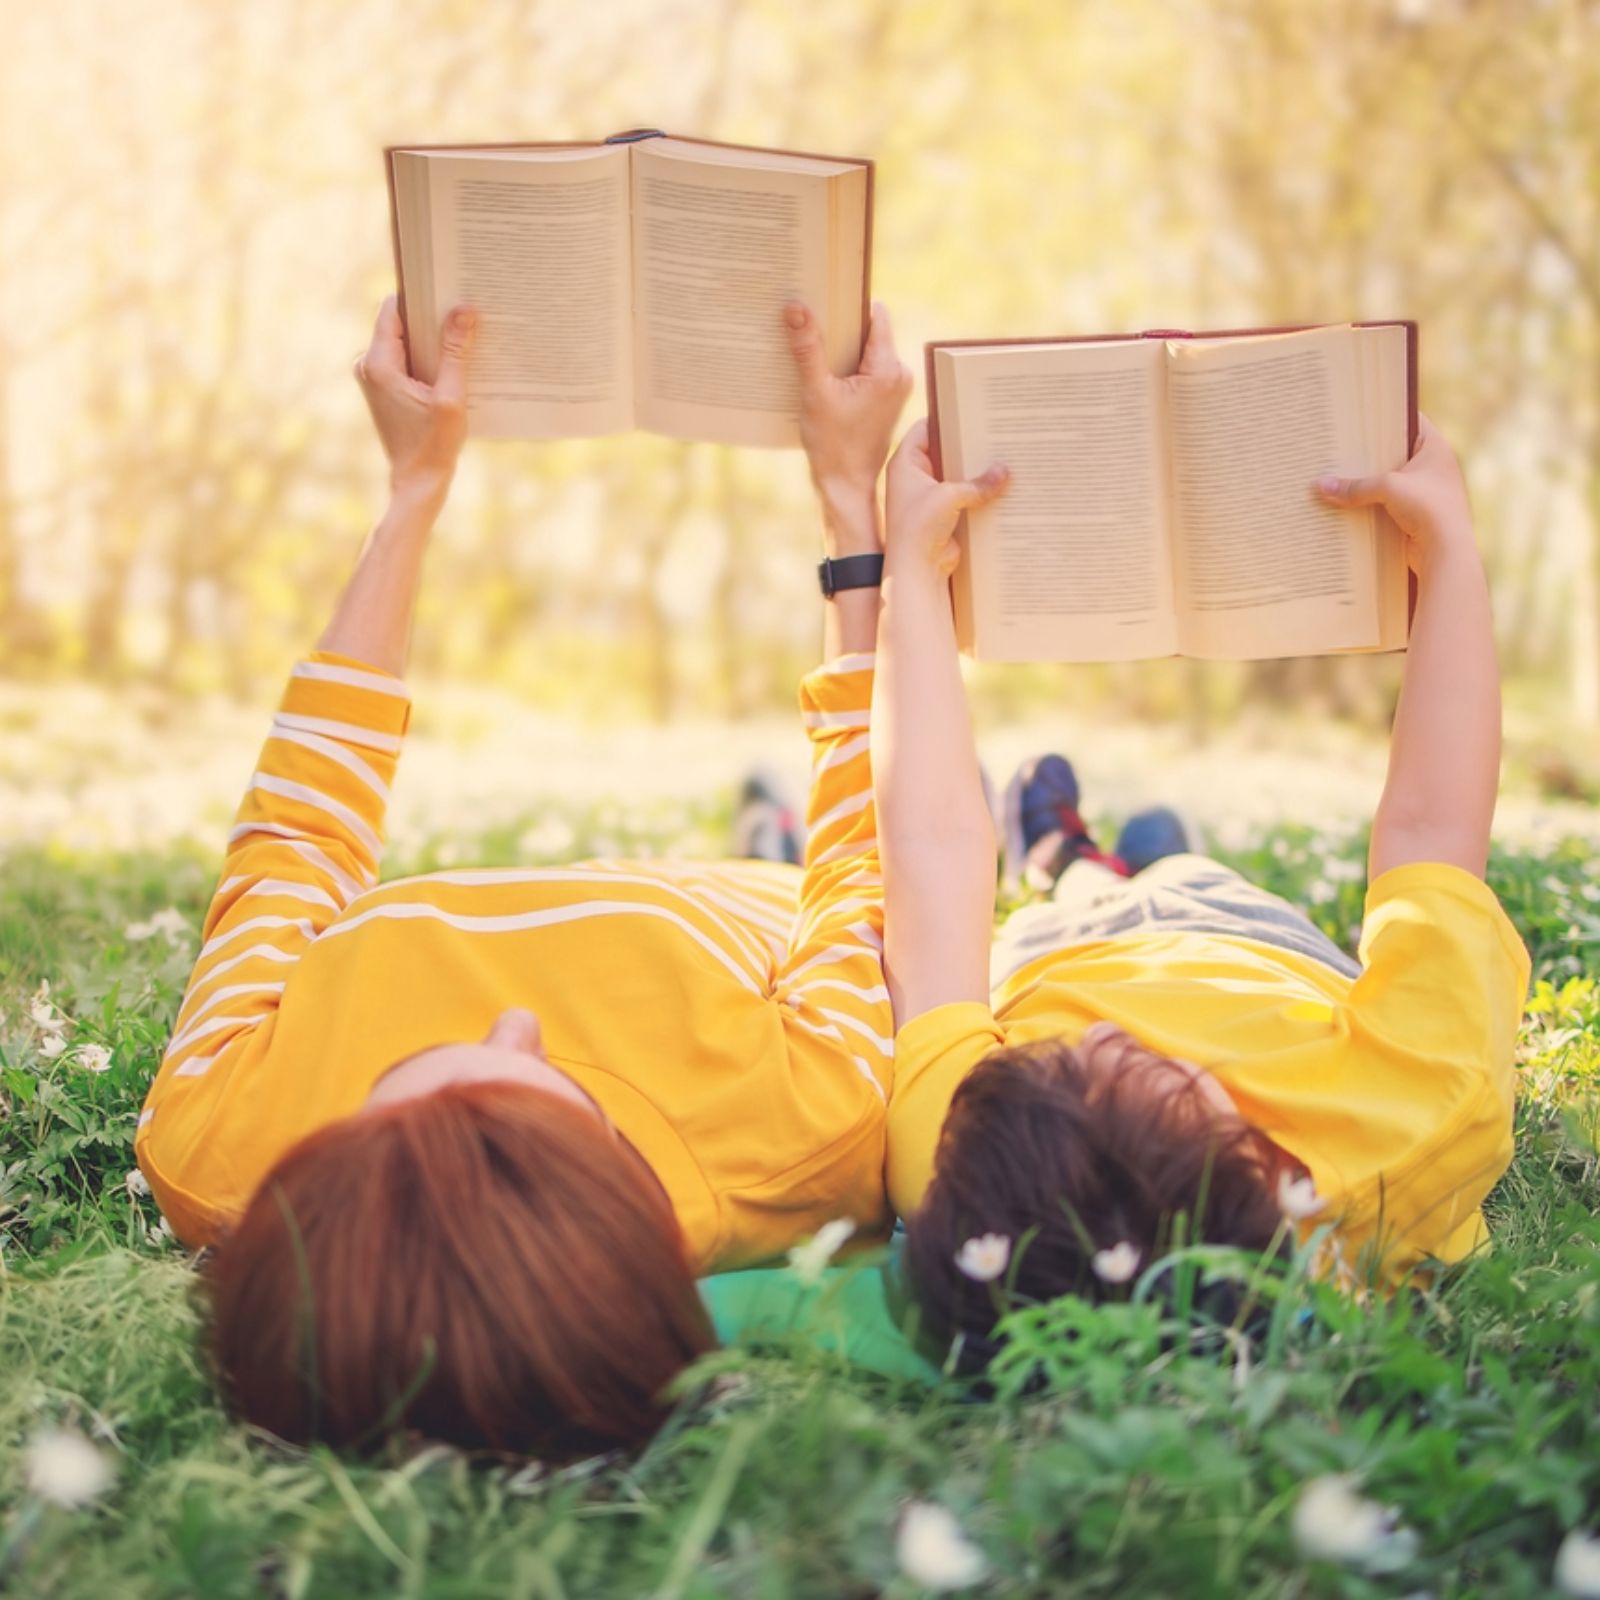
point(1577, 1569)
point(65, 1469)
point(807, 1261)
point(983, 1259)
point(1298, 1198)
point(933, 1551)
point(1117, 1264)
point(168, 921)
point(1333, 1523)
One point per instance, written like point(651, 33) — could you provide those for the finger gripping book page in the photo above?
point(1264, 568)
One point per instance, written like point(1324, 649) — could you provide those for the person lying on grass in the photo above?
point(1179, 1041)
point(463, 1141)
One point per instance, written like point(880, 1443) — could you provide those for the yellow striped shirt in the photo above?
point(729, 1017)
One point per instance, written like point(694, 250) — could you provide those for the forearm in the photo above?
point(935, 835)
point(1444, 760)
point(372, 622)
point(925, 761)
point(851, 526)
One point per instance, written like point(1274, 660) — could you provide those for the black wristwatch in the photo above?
point(849, 572)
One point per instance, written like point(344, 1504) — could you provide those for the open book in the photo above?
point(1160, 501)
point(637, 282)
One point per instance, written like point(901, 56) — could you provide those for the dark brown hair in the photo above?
point(485, 1265)
point(1068, 1151)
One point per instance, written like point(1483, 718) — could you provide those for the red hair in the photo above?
point(486, 1265)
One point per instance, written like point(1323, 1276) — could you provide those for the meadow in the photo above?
point(1150, 1462)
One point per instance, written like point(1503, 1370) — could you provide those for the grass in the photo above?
point(1146, 1467)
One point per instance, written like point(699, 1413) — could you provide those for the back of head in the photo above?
point(485, 1265)
point(1068, 1152)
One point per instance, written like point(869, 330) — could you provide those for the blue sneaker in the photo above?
point(766, 827)
point(1044, 832)
point(1150, 835)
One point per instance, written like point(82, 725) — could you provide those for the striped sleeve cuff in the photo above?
point(838, 694)
point(343, 698)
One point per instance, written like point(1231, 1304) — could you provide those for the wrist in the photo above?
point(421, 492)
point(851, 521)
point(1450, 560)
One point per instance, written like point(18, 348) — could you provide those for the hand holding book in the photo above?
point(1426, 498)
point(923, 511)
point(421, 426)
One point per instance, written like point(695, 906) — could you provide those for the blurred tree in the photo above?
point(196, 213)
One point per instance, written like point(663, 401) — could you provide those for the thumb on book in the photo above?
point(805, 338)
point(988, 485)
point(455, 346)
point(1371, 491)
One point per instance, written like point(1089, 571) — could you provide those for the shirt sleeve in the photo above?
point(1433, 1019)
point(830, 980)
point(934, 1053)
point(307, 839)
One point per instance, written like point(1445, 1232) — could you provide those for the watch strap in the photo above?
point(849, 572)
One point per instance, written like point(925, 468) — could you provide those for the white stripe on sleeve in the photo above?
point(327, 672)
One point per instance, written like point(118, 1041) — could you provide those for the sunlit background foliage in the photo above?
point(194, 237)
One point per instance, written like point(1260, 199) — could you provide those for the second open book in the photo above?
point(1160, 501)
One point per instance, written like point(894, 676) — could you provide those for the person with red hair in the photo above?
point(461, 1143)
point(1177, 1043)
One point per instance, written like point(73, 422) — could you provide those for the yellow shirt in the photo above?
point(730, 1018)
point(1394, 1089)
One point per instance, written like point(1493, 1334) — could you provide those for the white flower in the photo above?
point(93, 1056)
point(65, 1469)
point(549, 837)
point(1577, 1569)
point(983, 1259)
point(168, 921)
point(1333, 1523)
point(52, 1045)
point(1298, 1198)
point(807, 1260)
point(45, 1015)
point(1117, 1264)
point(136, 1183)
point(933, 1551)
point(159, 1235)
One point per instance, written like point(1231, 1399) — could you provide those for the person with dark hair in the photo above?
point(462, 1142)
point(1162, 1039)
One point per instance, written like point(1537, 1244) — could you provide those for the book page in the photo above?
point(718, 248)
point(1264, 569)
point(1073, 563)
point(1386, 412)
point(538, 242)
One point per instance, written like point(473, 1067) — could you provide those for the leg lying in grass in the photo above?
point(1190, 1044)
point(463, 1141)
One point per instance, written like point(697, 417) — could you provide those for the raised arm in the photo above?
point(308, 835)
point(832, 974)
point(1444, 758)
point(938, 843)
